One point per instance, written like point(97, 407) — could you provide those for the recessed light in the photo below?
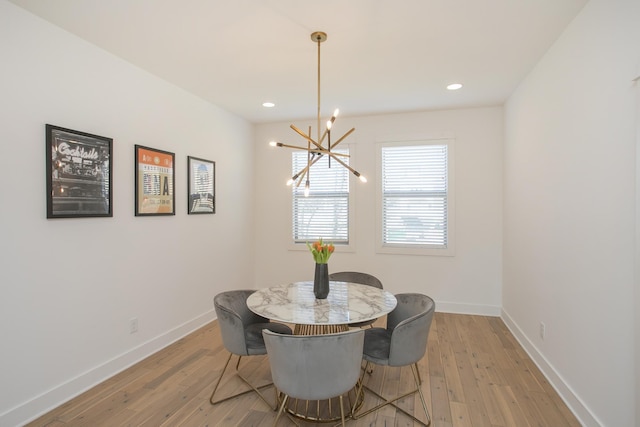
point(268, 104)
point(454, 86)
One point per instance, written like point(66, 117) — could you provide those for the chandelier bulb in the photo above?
point(292, 179)
point(306, 189)
point(362, 178)
point(273, 143)
point(335, 113)
point(329, 123)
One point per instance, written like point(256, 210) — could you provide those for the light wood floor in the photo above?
point(475, 374)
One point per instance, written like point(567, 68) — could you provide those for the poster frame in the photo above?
point(79, 165)
point(146, 159)
point(194, 194)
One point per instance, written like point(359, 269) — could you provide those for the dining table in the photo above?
point(346, 303)
point(296, 304)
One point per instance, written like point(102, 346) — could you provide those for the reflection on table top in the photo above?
point(346, 303)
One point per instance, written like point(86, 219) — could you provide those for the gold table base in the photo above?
point(319, 329)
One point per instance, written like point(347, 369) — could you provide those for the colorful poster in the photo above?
point(154, 182)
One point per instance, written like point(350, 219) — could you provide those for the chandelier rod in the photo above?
point(320, 37)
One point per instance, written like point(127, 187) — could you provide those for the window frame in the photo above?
point(408, 249)
point(339, 247)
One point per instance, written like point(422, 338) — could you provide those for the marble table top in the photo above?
point(346, 303)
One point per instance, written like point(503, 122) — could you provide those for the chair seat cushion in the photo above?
point(253, 335)
point(377, 344)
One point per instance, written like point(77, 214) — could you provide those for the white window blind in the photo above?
point(414, 195)
point(325, 212)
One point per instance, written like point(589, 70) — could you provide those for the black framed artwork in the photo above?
point(201, 186)
point(79, 169)
point(154, 182)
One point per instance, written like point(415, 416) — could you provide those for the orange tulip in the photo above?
point(320, 251)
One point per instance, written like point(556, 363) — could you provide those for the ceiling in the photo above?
point(381, 56)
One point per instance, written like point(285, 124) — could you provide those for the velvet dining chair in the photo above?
point(241, 331)
point(314, 367)
point(402, 343)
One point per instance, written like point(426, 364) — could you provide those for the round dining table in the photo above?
point(346, 303)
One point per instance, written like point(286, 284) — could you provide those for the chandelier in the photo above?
point(316, 148)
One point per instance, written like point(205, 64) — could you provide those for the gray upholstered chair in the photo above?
point(402, 343)
point(242, 336)
point(361, 278)
point(314, 367)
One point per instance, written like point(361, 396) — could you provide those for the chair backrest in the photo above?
point(315, 367)
point(409, 324)
point(356, 277)
point(233, 318)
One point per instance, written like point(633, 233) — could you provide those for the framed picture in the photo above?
point(155, 177)
point(202, 180)
point(79, 174)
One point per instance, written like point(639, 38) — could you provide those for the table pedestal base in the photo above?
point(326, 411)
point(319, 329)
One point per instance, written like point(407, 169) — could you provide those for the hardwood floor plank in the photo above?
point(460, 415)
point(439, 400)
point(185, 361)
point(470, 385)
point(475, 374)
point(452, 373)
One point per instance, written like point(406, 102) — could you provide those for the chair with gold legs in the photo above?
point(315, 367)
point(241, 331)
point(402, 343)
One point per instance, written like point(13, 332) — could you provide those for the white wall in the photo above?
point(637, 253)
point(70, 286)
point(569, 211)
point(468, 282)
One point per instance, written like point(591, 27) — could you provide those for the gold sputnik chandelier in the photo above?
point(315, 147)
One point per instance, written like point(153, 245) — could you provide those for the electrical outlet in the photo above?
point(542, 330)
point(133, 325)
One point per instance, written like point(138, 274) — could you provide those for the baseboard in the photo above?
point(477, 309)
point(575, 404)
point(56, 396)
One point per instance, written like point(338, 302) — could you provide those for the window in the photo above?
point(416, 203)
point(325, 212)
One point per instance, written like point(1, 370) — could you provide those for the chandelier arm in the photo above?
point(324, 134)
point(325, 151)
point(298, 147)
point(328, 132)
point(302, 172)
point(306, 136)
point(313, 150)
point(343, 137)
point(353, 171)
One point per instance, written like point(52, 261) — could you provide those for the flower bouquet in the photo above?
point(320, 251)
